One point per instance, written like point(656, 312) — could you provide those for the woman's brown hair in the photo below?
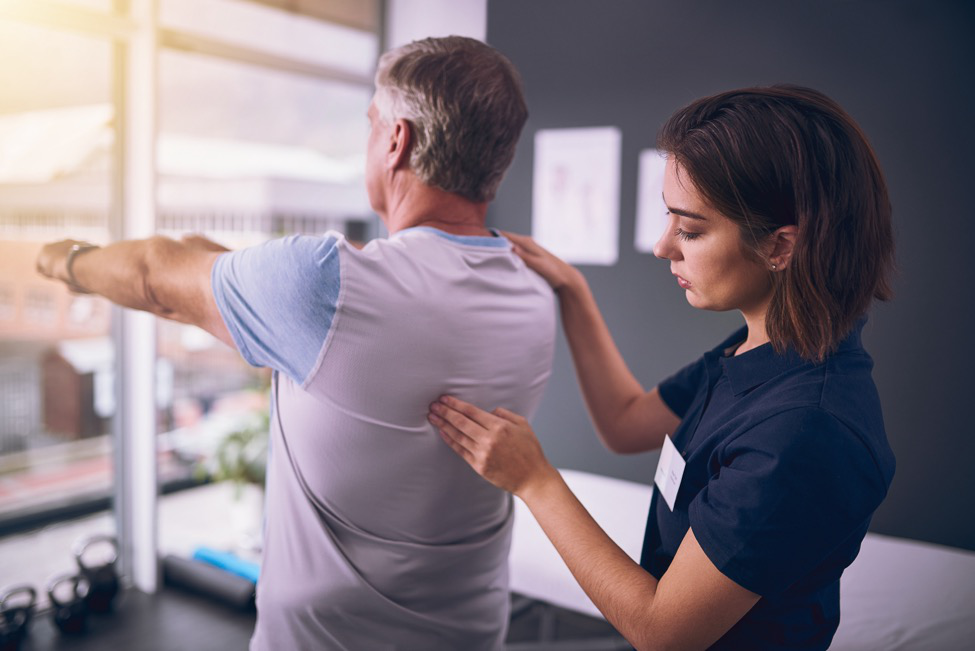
point(781, 155)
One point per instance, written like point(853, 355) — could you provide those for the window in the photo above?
point(55, 162)
point(56, 352)
point(260, 132)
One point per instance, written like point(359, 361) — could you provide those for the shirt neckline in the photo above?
point(761, 364)
point(497, 241)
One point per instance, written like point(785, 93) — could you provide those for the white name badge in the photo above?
point(670, 470)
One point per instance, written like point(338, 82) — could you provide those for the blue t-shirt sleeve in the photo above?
point(785, 495)
point(278, 300)
point(679, 390)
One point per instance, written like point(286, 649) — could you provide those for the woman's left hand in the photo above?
point(500, 445)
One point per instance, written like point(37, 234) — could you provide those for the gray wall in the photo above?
point(904, 70)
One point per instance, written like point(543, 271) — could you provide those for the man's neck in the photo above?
point(421, 205)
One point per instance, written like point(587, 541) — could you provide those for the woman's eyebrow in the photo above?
point(682, 212)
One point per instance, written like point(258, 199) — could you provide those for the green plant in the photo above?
point(241, 455)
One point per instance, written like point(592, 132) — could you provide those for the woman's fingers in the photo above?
point(525, 246)
point(448, 424)
point(522, 240)
point(465, 409)
point(463, 435)
point(510, 416)
point(553, 269)
point(470, 422)
point(463, 452)
point(500, 446)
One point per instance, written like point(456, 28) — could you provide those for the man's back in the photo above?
point(378, 535)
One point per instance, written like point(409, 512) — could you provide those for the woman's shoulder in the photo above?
point(825, 409)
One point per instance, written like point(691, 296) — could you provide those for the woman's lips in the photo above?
point(686, 284)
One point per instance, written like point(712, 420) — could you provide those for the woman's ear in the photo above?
point(782, 243)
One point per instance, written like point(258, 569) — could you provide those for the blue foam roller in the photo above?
point(229, 562)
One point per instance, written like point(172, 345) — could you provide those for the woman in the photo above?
point(777, 208)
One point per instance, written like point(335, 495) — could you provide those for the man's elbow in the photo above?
point(154, 269)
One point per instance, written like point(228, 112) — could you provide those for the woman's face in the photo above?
point(706, 252)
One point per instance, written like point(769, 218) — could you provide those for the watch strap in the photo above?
point(74, 252)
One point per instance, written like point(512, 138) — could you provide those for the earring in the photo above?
point(773, 267)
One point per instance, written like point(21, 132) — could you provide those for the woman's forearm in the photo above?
point(621, 590)
point(690, 607)
point(627, 418)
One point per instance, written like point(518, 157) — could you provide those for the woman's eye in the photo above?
point(685, 235)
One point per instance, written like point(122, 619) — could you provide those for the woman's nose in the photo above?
point(664, 248)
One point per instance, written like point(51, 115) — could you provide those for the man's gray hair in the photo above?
point(464, 101)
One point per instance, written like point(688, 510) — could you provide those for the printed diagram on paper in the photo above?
point(575, 193)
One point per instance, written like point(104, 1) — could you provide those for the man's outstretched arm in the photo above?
point(166, 277)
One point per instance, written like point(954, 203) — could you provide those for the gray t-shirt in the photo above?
point(378, 536)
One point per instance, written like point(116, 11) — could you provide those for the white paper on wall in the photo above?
point(651, 212)
point(575, 193)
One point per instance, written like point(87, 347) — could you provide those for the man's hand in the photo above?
point(53, 258)
point(168, 278)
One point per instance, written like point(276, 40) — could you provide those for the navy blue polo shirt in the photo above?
point(786, 462)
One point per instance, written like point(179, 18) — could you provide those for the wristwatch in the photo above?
point(74, 252)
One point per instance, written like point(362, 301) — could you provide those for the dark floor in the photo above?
point(175, 620)
point(171, 620)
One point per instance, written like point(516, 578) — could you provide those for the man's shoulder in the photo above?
point(426, 251)
point(419, 268)
point(420, 238)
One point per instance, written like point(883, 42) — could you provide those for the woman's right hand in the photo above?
point(500, 445)
point(556, 272)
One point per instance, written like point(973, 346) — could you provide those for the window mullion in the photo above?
point(135, 332)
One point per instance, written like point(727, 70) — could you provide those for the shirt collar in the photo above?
point(759, 365)
point(496, 241)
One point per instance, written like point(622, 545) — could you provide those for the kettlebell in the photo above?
point(103, 580)
point(70, 610)
point(16, 608)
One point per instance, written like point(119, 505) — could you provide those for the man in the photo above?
point(378, 536)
